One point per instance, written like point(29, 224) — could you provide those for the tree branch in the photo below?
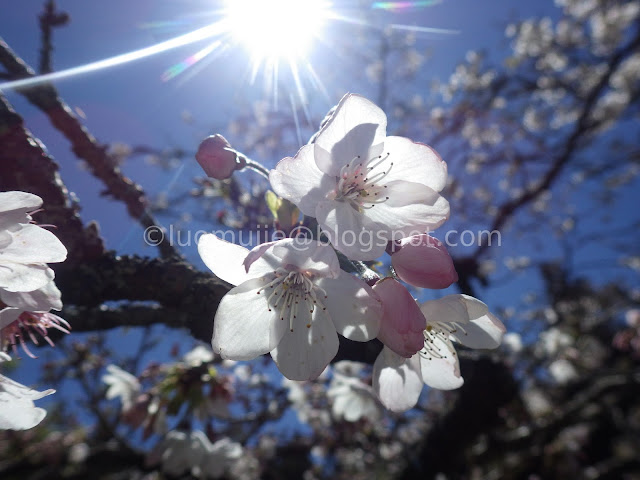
point(45, 97)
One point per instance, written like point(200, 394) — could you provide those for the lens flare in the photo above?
point(278, 28)
point(398, 6)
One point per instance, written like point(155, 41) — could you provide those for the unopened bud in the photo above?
point(402, 321)
point(423, 261)
point(216, 157)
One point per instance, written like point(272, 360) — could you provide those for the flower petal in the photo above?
point(255, 254)
point(479, 328)
point(356, 126)
point(303, 353)
point(16, 200)
point(415, 162)
point(223, 258)
point(33, 244)
point(15, 207)
point(351, 232)
point(19, 414)
point(17, 411)
point(40, 300)
point(354, 308)
point(300, 254)
point(397, 380)
point(441, 369)
point(402, 322)
point(9, 315)
point(245, 327)
point(299, 180)
point(18, 277)
point(412, 209)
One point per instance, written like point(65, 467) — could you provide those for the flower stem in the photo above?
point(246, 162)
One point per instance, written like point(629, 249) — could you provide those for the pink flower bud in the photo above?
point(423, 261)
point(402, 321)
point(216, 157)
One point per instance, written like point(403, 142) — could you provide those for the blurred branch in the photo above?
point(188, 298)
point(25, 165)
point(49, 19)
point(581, 130)
point(45, 97)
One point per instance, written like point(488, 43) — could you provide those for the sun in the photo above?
point(276, 29)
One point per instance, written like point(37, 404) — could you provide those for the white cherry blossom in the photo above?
point(180, 453)
point(121, 384)
point(398, 381)
point(26, 315)
point(197, 356)
point(363, 187)
point(352, 399)
point(291, 299)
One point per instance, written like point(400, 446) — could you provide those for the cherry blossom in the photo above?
point(197, 356)
point(352, 398)
point(121, 384)
point(27, 314)
point(180, 453)
point(363, 187)
point(460, 318)
point(17, 410)
point(290, 299)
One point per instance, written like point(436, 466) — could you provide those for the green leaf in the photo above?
point(273, 202)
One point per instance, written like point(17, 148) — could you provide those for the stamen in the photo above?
point(359, 184)
point(430, 349)
point(289, 288)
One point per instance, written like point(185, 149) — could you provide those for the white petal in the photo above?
point(17, 411)
point(480, 329)
point(296, 254)
point(441, 371)
point(412, 209)
point(356, 125)
point(397, 380)
point(14, 210)
point(40, 300)
point(223, 258)
point(9, 315)
point(244, 328)
point(19, 414)
point(254, 254)
point(121, 384)
point(351, 232)
point(304, 353)
point(18, 277)
point(299, 180)
point(5, 236)
point(415, 162)
point(16, 200)
point(21, 391)
point(33, 244)
point(353, 306)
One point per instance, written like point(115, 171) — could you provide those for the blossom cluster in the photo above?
point(27, 294)
point(292, 297)
point(192, 382)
